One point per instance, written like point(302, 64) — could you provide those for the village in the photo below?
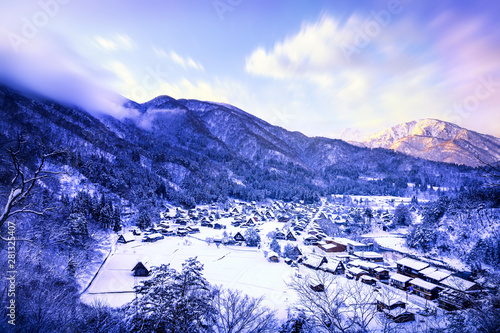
point(259, 248)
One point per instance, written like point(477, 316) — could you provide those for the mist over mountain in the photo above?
point(438, 140)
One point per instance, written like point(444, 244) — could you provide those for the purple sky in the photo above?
point(318, 67)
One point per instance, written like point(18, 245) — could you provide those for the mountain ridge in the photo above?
point(438, 140)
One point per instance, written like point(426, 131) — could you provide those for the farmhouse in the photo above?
point(424, 289)
point(410, 267)
point(238, 237)
point(355, 272)
point(153, 237)
point(400, 281)
point(126, 238)
point(311, 240)
point(273, 257)
point(314, 261)
point(395, 310)
point(141, 269)
point(290, 236)
point(334, 266)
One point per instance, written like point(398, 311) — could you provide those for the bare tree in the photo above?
point(238, 314)
point(23, 183)
point(327, 309)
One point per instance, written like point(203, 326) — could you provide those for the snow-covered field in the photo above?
point(235, 267)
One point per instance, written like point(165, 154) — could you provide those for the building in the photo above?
point(382, 274)
point(141, 269)
point(273, 257)
point(328, 247)
point(126, 238)
point(314, 261)
point(436, 276)
point(334, 267)
point(355, 273)
point(153, 237)
point(459, 284)
point(238, 237)
point(411, 267)
point(424, 289)
point(400, 281)
point(369, 256)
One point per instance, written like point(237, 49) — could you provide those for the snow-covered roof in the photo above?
point(457, 283)
point(128, 237)
point(400, 278)
point(368, 254)
point(345, 241)
point(427, 270)
point(438, 275)
point(423, 284)
point(357, 270)
point(414, 264)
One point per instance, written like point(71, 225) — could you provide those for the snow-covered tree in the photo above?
point(173, 301)
point(252, 237)
point(275, 246)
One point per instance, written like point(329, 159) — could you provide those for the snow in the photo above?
point(235, 267)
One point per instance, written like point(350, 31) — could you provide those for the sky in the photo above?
point(340, 69)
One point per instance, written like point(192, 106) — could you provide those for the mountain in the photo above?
point(190, 151)
point(438, 140)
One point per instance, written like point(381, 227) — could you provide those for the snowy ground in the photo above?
point(235, 267)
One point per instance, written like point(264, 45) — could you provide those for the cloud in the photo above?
point(395, 75)
point(179, 60)
point(48, 67)
point(113, 43)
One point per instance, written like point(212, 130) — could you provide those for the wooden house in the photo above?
point(334, 267)
point(355, 273)
point(126, 238)
point(435, 276)
point(314, 261)
point(238, 237)
point(411, 267)
point(273, 257)
point(280, 235)
point(381, 273)
point(400, 281)
point(459, 284)
point(153, 237)
point(141, 269)
point(424, 289)
point(291, 237)
point(311, 240)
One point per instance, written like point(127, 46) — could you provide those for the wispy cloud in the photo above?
point(184, 62)
point(396, 76)
point(113, 43)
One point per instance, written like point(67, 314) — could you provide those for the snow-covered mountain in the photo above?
point(438, 140)
point(193, 151)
